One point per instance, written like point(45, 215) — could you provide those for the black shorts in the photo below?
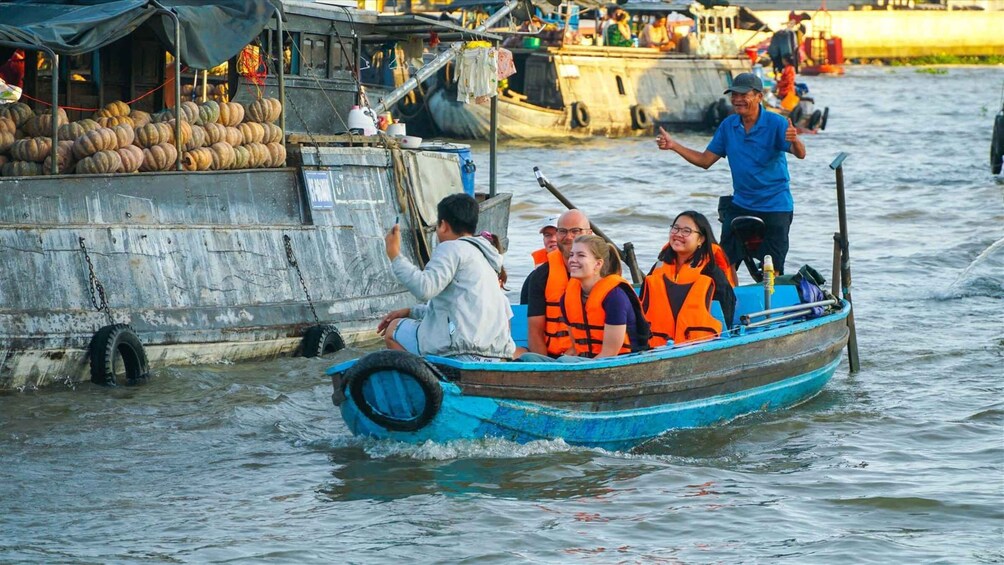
point(775, 241)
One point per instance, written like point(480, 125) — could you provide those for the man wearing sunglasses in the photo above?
point(755, 142)
point(547, 332)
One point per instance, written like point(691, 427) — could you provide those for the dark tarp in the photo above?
point(211, 32)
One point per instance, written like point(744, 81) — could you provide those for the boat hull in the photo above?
point(619, 403)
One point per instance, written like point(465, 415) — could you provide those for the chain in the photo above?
point(292, 261)
point(94, 285)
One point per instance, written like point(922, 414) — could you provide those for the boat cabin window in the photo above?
point(620, 86)
point(314, 53)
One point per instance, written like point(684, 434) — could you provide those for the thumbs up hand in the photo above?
point(791, 134)
point(664, 141)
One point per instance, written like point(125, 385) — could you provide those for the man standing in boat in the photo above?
point(755, 142)
point(547, 332)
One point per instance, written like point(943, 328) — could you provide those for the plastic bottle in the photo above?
point(768, 281)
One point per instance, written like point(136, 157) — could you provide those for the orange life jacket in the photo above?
point(721, 259)
point(678, 305)
point(539, 257)
point(556, 334)
point(586, 318)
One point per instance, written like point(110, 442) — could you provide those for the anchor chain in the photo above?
point(94, 286)
point(292, 261)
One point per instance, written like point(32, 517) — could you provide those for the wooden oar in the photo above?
point(845, 262)
point(627, 252)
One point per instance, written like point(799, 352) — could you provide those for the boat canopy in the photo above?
point(211, 32)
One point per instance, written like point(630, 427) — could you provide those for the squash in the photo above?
point(242, 156)
point(6, 141)
point(197, 159)
point(3, 161)
point(186, 131)
point(73, 130)
point(259, 155)
point(102, 162)
point(251, 132)
point(215, 133)
point(7, 125)
point(93, 141)
point(112, 121)
point(223, 156)
point(273, 133)
point(18, 111)
point(22, 169)
point(64, 159)
point(154, 134)
point(113, 109)
point(264, 110)
point(124, 134)
point(231, 113)
point(140, 118)
point(209, 113)
point(34, 149)
point(189, 111)
point(276, 154)
point(233, 136)
point(198, 139)
point(41, 125)
point(162, 116)
point(160, 157)
point(132, 158)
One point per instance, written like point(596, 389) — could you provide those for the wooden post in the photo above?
point(845, 262)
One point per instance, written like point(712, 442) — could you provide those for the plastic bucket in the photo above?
point(531, 42)
point(467, 167)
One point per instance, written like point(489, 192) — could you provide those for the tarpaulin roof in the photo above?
point(211, 32)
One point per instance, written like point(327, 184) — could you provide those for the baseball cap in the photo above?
point(744, 83)
point(549, 222)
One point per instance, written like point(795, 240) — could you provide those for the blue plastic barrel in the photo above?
point(463, 151)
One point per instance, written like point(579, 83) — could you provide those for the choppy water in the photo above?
point(902, 462)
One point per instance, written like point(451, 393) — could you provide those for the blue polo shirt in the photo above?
point(757, 159)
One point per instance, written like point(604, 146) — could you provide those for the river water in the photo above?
point(901, 462)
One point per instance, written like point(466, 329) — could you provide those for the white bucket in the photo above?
point(397, 130)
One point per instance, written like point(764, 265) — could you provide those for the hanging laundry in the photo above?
point(413, 50)
point(507, 67)
point(477, 73)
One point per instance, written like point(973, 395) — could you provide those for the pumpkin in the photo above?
point(189, 111)
point(22, 169)
point(132, 158)
point(251, 132)
point(186, 131)
point(162, 116)
point(259, 155)
point(264, 110)
point(273, 133)
point(18, 111)
point(125, 135)
point(242, 156)
point(112, 121)
point(154, 134)
point(113, 109)
point(102, 162)
point(215, 133)
point(93, 141)
point(231, 113)
point(34, 149)
point(233, 136)
point(7, 125)
point(276, 154)
point(197, 159)
point(73, 130)
point(160, 157)
point(223, 156)
point(6, 141)
point(209, 113)
point(198, 139)
point(4, 160)
point(140, 118)
point(64, 159)
point(40, 125)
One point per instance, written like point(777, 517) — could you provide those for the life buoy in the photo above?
point(321, 340)
point(116, 353)
point(410, 104)
point(795, 115)
point(826, 115)
point(580, 115)
point(815, 119)
point(376, 382)
point(997, 145)
point(639, 117)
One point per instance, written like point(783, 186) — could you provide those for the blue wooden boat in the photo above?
point(616, 403)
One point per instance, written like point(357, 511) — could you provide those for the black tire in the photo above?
point(410, 104)
point(826, 116)
point(997, 145)
point(446, 78)
point(319, 341)
point(795, 115)
point(713, 116)
point(815, 119)
point(639, 117)
point(723, 109)
point(580, 115)
point(405, 365)
point(116, 354)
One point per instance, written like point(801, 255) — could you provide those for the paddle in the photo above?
point(845, 261)
point(627, 252)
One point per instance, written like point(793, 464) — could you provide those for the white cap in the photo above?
point(549, 222)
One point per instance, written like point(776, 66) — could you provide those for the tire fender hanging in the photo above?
point(114, 344)
point(795, 115)
point(580, 115)
point(826, 116)
point(997, 145)
point(639, 117)
point(400, 366)
point(815, 119)
point(321, 340)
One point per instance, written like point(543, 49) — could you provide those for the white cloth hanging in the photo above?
point(477, 74)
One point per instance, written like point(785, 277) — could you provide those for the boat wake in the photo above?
point(984, 276)
point(490, 448)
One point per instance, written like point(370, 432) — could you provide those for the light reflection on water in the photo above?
point(901, 462)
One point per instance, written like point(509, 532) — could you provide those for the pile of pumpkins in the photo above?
point(117, 139)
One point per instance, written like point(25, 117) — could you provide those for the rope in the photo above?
point(130, 103)
point(319, 87)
